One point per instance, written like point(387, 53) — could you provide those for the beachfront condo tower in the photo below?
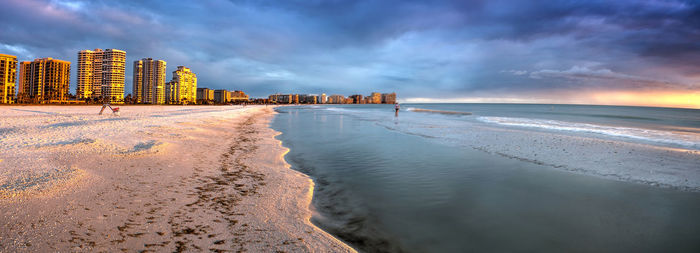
point(101, 74)
point(149, 81)
point(183, 88)
point(375, 98)
point(44, 80)
point(389, 98)
point(8, 78)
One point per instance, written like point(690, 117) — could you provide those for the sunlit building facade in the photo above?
point(149, 81)
point(389, 98)
point(101, 73)
point(238, 96)
point(89, 73)
point(8, 78)
point(44, 80)
point(336, 99)
point(184, 88)
point(375, 98)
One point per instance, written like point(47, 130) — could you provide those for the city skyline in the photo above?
point(627, 53)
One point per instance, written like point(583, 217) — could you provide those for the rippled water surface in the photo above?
point(394, 184)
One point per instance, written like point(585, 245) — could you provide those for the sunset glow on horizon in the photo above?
point(673, 99)
point(650, 98)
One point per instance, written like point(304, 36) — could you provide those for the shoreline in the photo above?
point(204, 180)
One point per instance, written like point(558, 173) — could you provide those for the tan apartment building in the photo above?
point(8, 78)
point(389, 98)
point(101, 73)
point(336, 99)
point(149, 81)
point(184, 88)
point(238, 96)
point(205, 94)
point(44, 80)
point(375, 98)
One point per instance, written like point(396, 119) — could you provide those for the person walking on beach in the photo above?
point(396, 109)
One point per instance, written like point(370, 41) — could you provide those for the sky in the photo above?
point(581, 52)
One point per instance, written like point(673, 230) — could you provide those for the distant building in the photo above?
point(307, 99)
point(238, 96)
point(375, 98)
point(170, 91)
point(44, 80)
point(389, 98)
point(336, 99)
point(281, 98)
point(322, 98)
point(149, 81)
point(101, 73)
point(357, 99)
point(185, 90)
point(349, 101)
point(205, 94)
point(221, 96)
point(8, 78)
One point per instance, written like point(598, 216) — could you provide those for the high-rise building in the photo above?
point(185, 86)
point(44, 80)
point(137, 82)
point(389, 98)
point(322, 98)
point(101, 74)
point(375, 98)
point(149, 81)
point(282, 98)
point(113, 73)
point(8, 78)
point(89, 73)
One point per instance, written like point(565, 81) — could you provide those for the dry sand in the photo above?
point(155, 179)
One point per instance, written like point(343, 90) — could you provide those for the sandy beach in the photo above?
point(154, 179)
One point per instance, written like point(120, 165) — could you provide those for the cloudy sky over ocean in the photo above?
point(604, 52)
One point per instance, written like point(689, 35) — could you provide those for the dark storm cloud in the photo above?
point(417, 48)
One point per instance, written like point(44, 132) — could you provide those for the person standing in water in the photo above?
point(396, 109)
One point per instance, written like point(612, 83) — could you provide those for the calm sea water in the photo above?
point(386, 184)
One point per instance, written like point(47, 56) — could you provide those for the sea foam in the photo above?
point(663, 137)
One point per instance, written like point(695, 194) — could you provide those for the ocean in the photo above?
point(505, 178)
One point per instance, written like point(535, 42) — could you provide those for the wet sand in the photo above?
point(202, 183)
